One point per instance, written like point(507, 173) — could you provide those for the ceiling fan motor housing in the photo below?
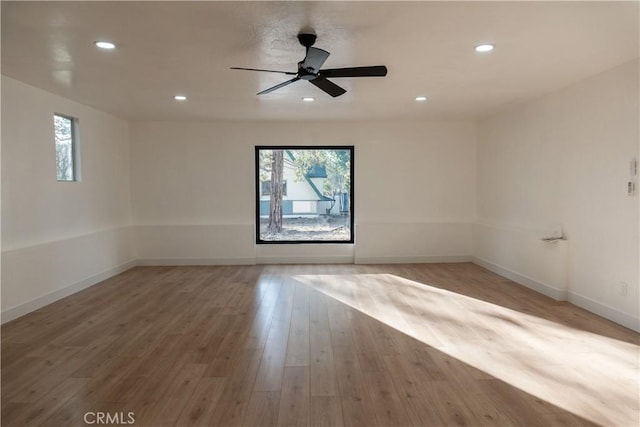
point(307, 40)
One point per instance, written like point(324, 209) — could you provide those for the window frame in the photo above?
point(257, 189)
point(75, 151)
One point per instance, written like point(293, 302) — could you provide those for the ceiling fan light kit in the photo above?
point(309, 69)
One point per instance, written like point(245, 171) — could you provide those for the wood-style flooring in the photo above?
point(317, 345)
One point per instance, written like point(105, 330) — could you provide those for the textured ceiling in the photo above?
point(166, 48)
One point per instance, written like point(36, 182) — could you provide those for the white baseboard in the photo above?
point(617, 316)
point(29, 306)
point(305, 260)
point(196, 261)
point(610, 313)
point(543, 288)
point(413, 260)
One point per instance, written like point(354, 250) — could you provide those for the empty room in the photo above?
point(320, 213)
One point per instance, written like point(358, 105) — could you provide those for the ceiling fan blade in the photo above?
point(314, 59)
point(283, 84)
point(373, 71)
point(328, 86)
point(268, 71)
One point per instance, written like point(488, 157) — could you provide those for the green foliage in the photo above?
point(338, 172)
point(336, 162)
point(265, 161)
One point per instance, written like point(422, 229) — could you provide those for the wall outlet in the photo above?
point(633, 167)
point(631, 188)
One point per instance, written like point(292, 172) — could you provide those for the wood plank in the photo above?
point(263, 409)
point(179, 394)
point(298, 341)
point(387, 405)
point(202, 404)
point(233, 403)
point(326, 411)
point(357, 407)
point(322, 370)
point(322, 366)
point(294, 398)
point(271, 369)
point(39, 412)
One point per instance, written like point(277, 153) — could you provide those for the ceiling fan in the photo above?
point(310, 69)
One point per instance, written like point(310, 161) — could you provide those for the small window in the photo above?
point(266, 188)
point(65, 133)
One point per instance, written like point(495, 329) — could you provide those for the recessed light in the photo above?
point(421, 98)
point(484, 48)
point(180, 98)
point(308, 99)
point(104, 44)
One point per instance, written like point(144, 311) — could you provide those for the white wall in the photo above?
point(58, 237)
point(193, 190)
point(563, 160)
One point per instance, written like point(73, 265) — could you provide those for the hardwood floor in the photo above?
point(340, 345)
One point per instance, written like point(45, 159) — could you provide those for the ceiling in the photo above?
point(166, 48)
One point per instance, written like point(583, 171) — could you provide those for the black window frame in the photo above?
point(258, 190)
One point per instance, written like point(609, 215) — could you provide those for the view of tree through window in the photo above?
point(304, 194)
point(65, 149)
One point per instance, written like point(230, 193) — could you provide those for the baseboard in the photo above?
point(603, 310)
point(413, 260)
point(543, 288)
point(305, 260)
point(195, 261)
point(27, 307)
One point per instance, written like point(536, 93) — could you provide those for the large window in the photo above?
point(304, 194)
point(65, 135)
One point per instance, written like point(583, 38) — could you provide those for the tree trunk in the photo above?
point(275, 211)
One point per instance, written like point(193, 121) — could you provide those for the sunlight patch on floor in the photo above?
point(592, 376)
